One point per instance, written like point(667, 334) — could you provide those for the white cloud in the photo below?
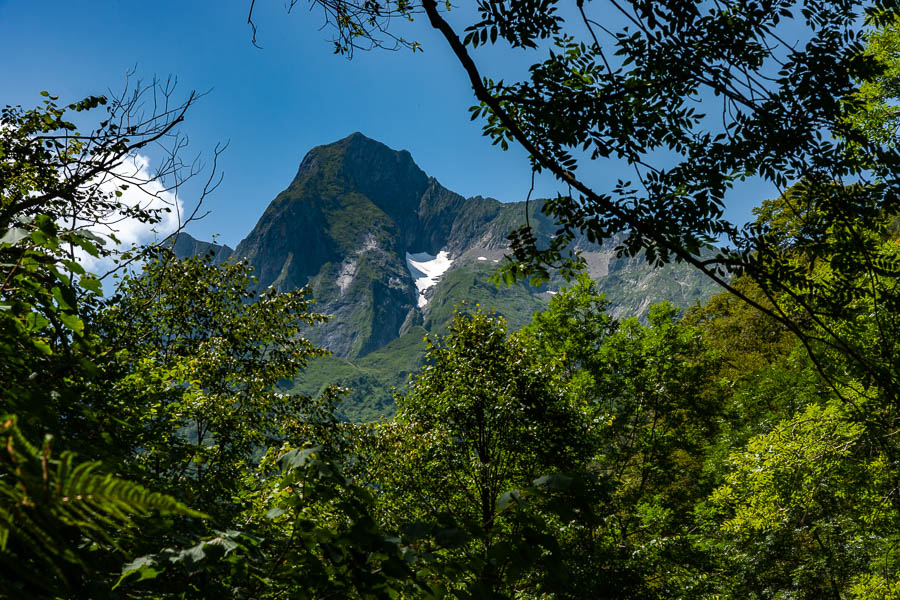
point(142, 191)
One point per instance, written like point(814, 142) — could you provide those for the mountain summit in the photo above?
point(387, 250)
point(389, 253)
point(364, 225)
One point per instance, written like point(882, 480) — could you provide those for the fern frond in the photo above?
point(50, 506)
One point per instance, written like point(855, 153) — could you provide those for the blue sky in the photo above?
point(271, 104)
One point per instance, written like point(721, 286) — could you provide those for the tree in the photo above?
point(49, 506)
point(481, 421)
point(61, 196)
point(720, 92)
point(571, 333)
point(171, 381)
point(805, 510)
point(808, 507)
point(63, 524)
point(626, 525)
point(200, 356)
point(310, 532)
point(878, 117)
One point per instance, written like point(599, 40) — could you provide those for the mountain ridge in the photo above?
point(388, 251)
point(347, 224)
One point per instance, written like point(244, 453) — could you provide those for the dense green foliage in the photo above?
point(746, 450)
point(56, 506)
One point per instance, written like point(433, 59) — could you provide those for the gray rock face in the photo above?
point(185, 245)
point(354, 212)
point(344, 227)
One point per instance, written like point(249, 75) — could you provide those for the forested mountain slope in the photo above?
point(389, 252)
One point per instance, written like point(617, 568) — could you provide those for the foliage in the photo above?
point(574, 327)
point(811, 485)
point(878, 114)
point(61, 195)
point(58, 189)
point(314, 537)
point(767, 374)
point(59, 517)
point(482, 420)
point(625, 523)
point(808, 507)
point(628, 92)
point(732, 454)
point(200, 356)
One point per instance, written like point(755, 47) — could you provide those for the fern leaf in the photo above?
point(49, 506)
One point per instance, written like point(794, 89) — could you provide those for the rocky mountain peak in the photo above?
point(389, 178)
point(385, 247)
point(389, 252)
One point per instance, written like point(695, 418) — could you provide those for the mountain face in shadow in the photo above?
point(348, 224)
point(388, 251)
point(184, 244)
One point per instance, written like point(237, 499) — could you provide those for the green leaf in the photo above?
point(72, 322)
point(145, 567)
point(35, 321)
point(451, 537)
point(554, 481)
point(298, 457)
point(42, 346)
point(92, 284)
point(73, 266)
point(274, 513)
point(508, 498)
point(64, 297)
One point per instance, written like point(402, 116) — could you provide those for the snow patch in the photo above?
point(345, 277)
point(427, 270)
point(482, 258)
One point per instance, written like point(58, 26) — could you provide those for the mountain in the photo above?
point(372, 234)
point(186, 245)
point(389, 252)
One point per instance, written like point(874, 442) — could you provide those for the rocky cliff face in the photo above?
point(185, 245)
point(352, 224)
point(386, 249)
point(342, 227)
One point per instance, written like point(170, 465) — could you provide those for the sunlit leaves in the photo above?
point(196, 345)
point(482, 420)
